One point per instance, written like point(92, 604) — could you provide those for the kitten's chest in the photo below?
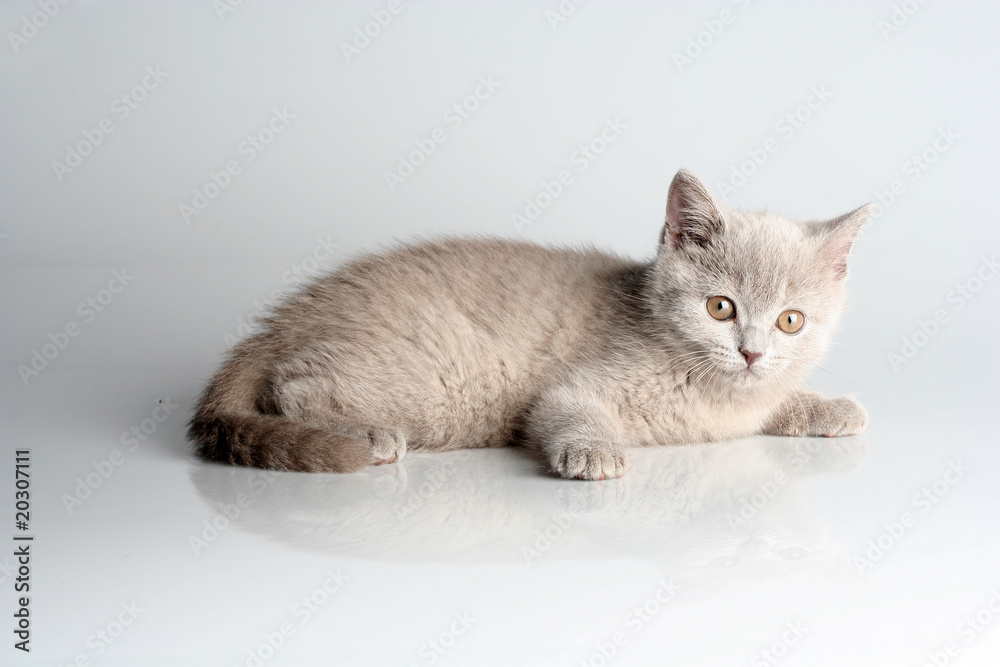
point(669, 410)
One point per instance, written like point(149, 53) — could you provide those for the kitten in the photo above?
point(577, 354)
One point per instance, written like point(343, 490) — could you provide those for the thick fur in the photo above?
point(576, 353)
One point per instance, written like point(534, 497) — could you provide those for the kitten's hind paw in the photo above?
point(388, 445)
point(589, 459)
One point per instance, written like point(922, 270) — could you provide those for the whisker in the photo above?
point(698, 366)
point(840, 378)
point(710, 367)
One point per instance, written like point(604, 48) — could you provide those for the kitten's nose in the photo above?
point(751, 356)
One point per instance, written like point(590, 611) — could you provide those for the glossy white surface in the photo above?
point(883, 549)
point(747, 535)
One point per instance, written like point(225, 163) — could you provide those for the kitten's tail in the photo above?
point(234, 423)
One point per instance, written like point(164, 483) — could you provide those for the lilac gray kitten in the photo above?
point(577, 354)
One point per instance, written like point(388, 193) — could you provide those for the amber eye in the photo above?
point(791, 321)
point(721, 308)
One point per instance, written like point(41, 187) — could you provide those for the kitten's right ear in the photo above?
point(692, 215)
point(838, 235)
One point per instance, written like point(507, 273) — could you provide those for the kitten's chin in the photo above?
point(748, 376)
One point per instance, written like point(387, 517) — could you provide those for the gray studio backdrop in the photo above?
point(167, 167)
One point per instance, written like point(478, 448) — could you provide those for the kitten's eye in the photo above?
point(791, 321)
point(721, 308)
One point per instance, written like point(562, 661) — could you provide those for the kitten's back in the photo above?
point(447, 340)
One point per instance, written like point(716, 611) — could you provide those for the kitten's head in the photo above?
point(753, 296)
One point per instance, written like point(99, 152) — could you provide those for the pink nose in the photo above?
point(751, 356)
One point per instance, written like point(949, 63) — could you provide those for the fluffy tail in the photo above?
point(236, 422)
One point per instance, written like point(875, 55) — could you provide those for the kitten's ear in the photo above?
point(838, 235)
point(692, 215)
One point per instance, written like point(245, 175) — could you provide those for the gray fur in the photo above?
point(577, 354)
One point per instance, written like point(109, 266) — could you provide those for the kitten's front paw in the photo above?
point(841, 416)
point(814, 416)
point(589, 459)
point(388, 445)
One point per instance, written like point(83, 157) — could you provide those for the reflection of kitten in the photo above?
point(722, 513)
point(581, 354)
point(683, 508)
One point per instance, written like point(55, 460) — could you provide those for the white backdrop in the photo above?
point(805, 108)
point(116, 116)
point(167, 167)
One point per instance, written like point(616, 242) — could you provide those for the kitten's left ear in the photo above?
point(693, 218)
point(838, 235)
